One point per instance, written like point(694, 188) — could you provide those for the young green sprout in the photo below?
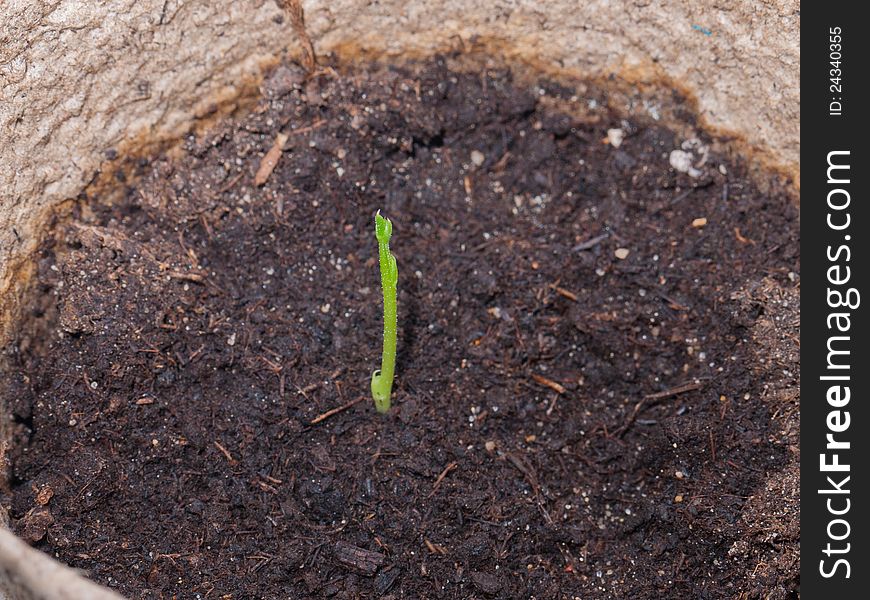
point(382, 379)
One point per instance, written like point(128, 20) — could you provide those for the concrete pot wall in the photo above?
point(82, 82)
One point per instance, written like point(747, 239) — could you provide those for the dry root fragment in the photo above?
point(297, 21)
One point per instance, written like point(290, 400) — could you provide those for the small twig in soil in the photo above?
point(435, 548)
point(335, 411)
point(552, 405)
point(469, 187)
point(525, 469)
point(226, 453)
point(563, 292)
point(314, 386)
point(274, 367)
point(379, 454)
point(672, 304)
point(553, 385)
point(441, 477)
point(194, 277)
point(91, 388)
point(679, 564)
point(270, 160)
point(591, 243)
point(308, 128)
point(87, 485)
point(206, 226)
point(189, 251)
point(195, 354)
point(675, 391)
point(265, 486)
point(501, 163)
point(741, 239)
point(680, 197)
point(680, 389)
point(263, 558)
point(228, 186)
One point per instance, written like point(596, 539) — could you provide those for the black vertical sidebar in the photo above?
point(835, 371)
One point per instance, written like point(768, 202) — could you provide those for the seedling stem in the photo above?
point(382, 379)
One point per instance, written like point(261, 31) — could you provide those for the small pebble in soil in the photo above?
point(699, 222)
point(681, 161)
point(477, 157)
point(621, 253)
point(615, 137)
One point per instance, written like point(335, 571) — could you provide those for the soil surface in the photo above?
point(597, 374)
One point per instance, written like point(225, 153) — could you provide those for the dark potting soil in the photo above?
point(583, 406)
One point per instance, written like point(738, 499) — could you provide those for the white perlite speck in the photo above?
point(615, 137)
